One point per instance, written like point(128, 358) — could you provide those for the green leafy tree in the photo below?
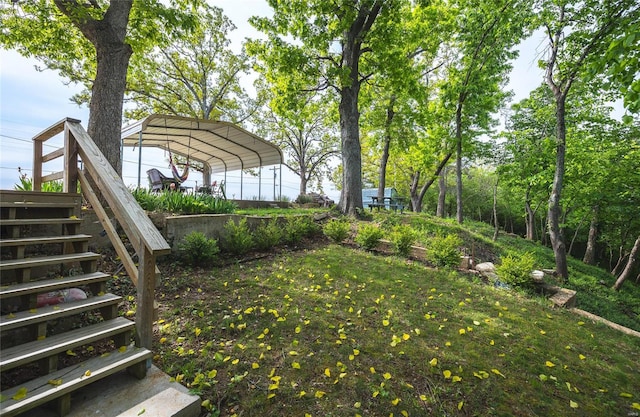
point(331, 43)
point(486, 33)
point(304, 128)
point(194, 74)
point(578, 34)
point(91, 43)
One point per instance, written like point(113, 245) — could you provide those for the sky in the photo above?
point(31, 101)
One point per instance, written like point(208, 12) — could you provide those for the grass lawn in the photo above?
point(335, 331)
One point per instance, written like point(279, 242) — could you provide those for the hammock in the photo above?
point(174, 170)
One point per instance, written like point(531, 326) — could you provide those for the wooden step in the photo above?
point(46, 240)
point(43, 314)
point(47, 285)
point(40, 391)
point(37, 204)
point(31, 222)
point(11, 264)
point(40, 349)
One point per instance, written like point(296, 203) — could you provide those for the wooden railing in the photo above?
point(146, 240)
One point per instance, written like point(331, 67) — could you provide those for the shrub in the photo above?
point(197, 250)
point(267, 235)
point(515, 269)
point(369, 236)
point(337, 230)
point(298, 227)
point(304, 199)
point(402, 238)
point(238, 239)
point(147, 200)
point(444, 250)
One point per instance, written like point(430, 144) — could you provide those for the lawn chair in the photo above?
point(158, 181)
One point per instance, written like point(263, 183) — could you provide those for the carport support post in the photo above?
point(280, 195)
point(139, 157)
point(260, 183)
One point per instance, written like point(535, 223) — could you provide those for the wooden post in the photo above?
point(37, 165)
point(70, 179)
point(145, 297)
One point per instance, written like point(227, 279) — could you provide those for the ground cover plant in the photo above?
point(339, 331)
point(182, 203)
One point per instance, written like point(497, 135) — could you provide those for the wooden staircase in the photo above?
point(48, 352)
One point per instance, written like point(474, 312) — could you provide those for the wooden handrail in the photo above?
point(145, 238)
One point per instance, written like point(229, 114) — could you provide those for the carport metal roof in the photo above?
point(223, 146)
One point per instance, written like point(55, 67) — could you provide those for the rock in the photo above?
point(537, 276)
point(486, 267)
point(564, 298)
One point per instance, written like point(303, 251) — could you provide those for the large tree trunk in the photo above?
point(590, 252)
point(351, 194)
point(384, 159)
point(630, 264)
point(105, 109)
point(442, 194)
point(459, 216)
point(555, 209)
point(112, 57)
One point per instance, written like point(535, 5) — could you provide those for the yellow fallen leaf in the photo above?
point(385, 322)
point(20, 394)
point(295, 365)
point(395, 401)
point(357, 404)
point(423, 397)
point(87, 373)
point(327, 372)
point(462, 331)
point(293, 353)
point(582, 357)
point(495, 371)
point(550, 364)
point(302, 393)
point(319, 394)
point(573, 404)
point(141, 412)
point(235, 361)
point(372, 370)
point(255, 365)
point(405, 336)
point(122, 349)
point(460, 404)
point(636, 406)
point(433, 362)
point(404, 413)
point(626, 395)
point(386, 375)
point(55, 382)
point(271, 395)
point(446, 373)
point(456, 378)
point(542, 332)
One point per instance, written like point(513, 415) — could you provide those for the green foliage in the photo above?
point(183, 203)
point(238, 239)
point(298, 227)
point(197, 250)
point(369, 235)
point(515, 269)
point(267, 235)
point(26, 184)
point(402, 237)
point(337, 229)
point(444, 250)
point(304, 199)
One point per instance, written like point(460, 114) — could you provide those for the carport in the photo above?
point(220, 146)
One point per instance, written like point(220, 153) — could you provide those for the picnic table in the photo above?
point(393, 203)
